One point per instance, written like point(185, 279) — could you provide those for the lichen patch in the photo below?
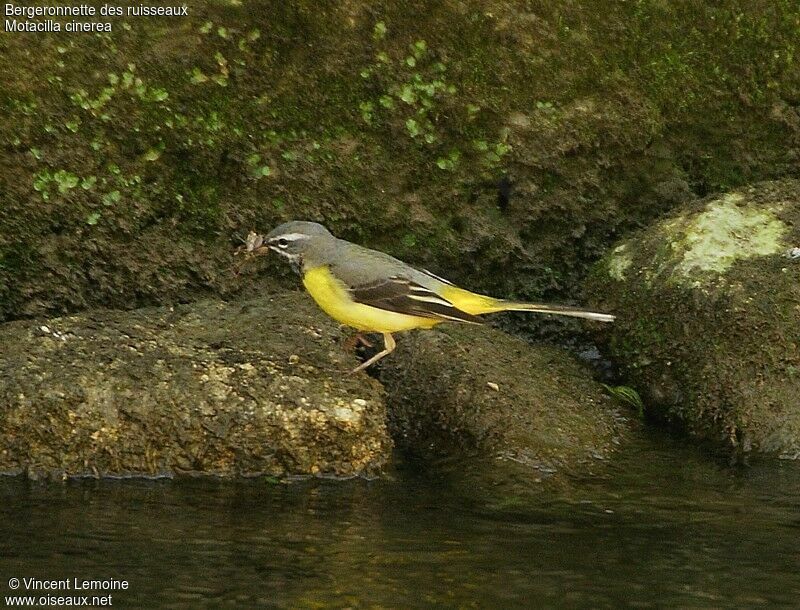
point(619, 262)
point(723, 233)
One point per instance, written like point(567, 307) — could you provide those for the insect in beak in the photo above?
point(253, 246)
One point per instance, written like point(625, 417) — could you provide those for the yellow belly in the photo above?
point(334, 300)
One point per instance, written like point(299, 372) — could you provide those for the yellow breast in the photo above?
point(334, 299)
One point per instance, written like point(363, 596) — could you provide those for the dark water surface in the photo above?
point(665, 526)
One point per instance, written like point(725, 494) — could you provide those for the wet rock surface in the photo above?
point(225, 389)
point(476, 391)
point(708, 327)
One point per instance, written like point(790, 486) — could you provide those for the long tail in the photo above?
point(477, 304)
point(562, 310)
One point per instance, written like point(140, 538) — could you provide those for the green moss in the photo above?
point(390, 121)
point(618, 262)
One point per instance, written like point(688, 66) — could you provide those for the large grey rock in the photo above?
point(214, 388)
point(709, 317)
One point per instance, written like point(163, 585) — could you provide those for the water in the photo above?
point(665, 525)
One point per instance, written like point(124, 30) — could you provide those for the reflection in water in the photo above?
point(664, 525)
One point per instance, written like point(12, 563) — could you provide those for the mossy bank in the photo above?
point(708, 301)
point(471, 137)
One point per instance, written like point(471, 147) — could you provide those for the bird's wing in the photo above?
point(403, 295)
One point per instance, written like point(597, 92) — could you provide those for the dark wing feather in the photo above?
point(402, 295)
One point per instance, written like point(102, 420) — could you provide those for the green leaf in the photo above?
point(41, 181)
point(158, 95)
point(197, 76)
point(111, 198)
point(379, 31)
point(407, 94)
point(626, 395)
point(419, 48)
point(93, 218)
point(65, 180)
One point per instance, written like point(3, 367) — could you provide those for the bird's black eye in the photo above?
point(283, 243)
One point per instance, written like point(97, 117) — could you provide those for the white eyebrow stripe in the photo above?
point(290, 236)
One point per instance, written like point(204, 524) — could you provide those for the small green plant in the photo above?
point(111, 198)
point(409, 240)
point(626, 395)
point(65, 180)
point(366, 109)
point(411, 90)
point(41, 182)
point(450, 162)
point(379, 31)
point(196, 76)
point(258, 169)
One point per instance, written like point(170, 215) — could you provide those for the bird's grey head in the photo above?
point(298, 240)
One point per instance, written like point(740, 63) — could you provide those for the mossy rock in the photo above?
point(478, 392)
point(132, 160)
point(211, 388)
point(708, 305)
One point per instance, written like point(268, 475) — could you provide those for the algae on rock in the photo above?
point(708, 326)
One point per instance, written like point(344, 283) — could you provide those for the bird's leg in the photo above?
point(362, 339)
point(355, 340)
point(388, 348)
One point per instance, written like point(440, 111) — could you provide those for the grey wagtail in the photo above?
point(374, 292)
